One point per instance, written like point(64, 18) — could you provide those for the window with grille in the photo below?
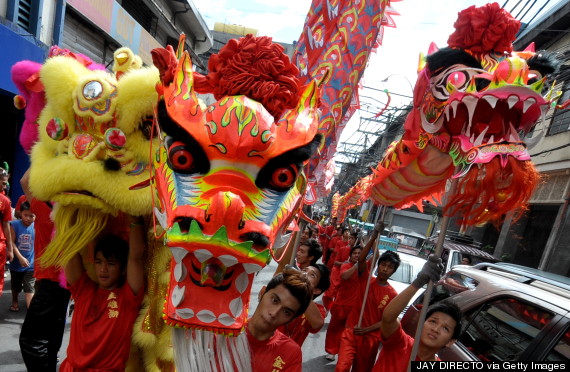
point(142, 14)
point(24, 14)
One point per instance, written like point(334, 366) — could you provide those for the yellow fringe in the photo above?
point(75, 228)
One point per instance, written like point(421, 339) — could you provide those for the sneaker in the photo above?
point(330, 357)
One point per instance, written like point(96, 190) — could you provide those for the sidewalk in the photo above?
point(10, 325)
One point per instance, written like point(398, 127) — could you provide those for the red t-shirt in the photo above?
point(277, 354)
point(334, 240)
point(341, 253)
point(299, 328)
point(101, 328)
point(395, 352)
point(378, 297)
point(5, 214)
point(342, 250)
point(43, 227)
point(347, 294)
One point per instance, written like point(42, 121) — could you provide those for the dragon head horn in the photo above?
point(304, 117)
point(530, 48)
point(177, 82)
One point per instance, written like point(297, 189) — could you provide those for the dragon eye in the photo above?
point(284, 177)
point(457, 79)
point(180, 158)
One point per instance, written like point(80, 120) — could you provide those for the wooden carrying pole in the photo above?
point(429, 290)
point(374, 257)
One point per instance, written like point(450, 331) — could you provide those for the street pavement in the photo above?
point(11, 323)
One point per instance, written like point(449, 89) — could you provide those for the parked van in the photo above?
point(387, 244)
point(409, 241)
point(455, 247)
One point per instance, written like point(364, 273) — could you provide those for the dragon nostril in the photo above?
point(184, 223)
point(112, 164)
point(259, 240)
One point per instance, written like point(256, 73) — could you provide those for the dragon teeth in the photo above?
point(454, 105)
point(470, 103)
point(178, 253)
point(206, 316)
point(513, 135)
point(529, 102)
point(177, 295)
point(251, 268)
point(228, 260)
point(203, 255)
point(491, 100)
point(512, 100)
point(479, 140)
point(236, 306)
point(446, 113)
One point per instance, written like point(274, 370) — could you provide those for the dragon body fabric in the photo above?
point(334, 48)
point(229, 177)
point(474, 102)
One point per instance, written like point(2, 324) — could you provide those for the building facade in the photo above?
point(541, 238)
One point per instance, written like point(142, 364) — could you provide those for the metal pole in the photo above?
point(302, 225)
point(429, 290)
point(374, 256)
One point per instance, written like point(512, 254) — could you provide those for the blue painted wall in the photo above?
point(17, 47)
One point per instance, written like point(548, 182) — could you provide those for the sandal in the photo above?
point(14, 309)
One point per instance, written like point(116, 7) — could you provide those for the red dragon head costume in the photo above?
point(229, 176)
point(473, 104)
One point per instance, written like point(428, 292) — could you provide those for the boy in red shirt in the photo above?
point(314, 317)
point(325, 236)
point(308, 253)
point(442, 326)
point(338, 257)
point(105, 311)
point(287, 296)
point(359, 345)
point(345, 301)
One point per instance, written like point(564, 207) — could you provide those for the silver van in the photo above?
point(456, 247)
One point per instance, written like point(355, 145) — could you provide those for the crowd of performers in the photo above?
point(287, 312)
point(339, 273)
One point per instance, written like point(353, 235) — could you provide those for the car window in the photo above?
point(405, 273)
point(560, 352)
point(451, 284)
point(503, 329)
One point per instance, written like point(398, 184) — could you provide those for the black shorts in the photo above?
point(22, 279)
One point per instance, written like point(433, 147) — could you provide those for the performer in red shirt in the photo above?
point(6, 241)
point(441, 328)
point(105, 311)
point(286, 296)
point(325, 236)
point(345, 300)
point(337, 258)
point(359, 345)
point(336, 236)
point(314, 317)
point(308, 253)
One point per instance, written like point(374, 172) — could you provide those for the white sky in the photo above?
point(420, 22)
